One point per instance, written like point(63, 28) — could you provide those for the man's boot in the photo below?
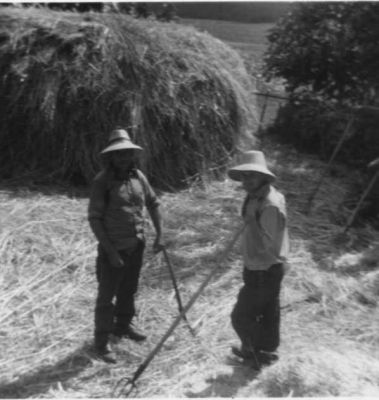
point(267, 358)
point(104, 351)
point(247, 352)
point(131, 333)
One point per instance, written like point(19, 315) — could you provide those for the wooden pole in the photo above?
point(126, 385)
point(373, 165)
point(177, 294)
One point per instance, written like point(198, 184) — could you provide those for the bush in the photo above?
point(328, 48)
point(316, 125)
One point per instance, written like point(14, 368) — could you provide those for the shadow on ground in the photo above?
point(25, 189)
point(40, 381)
point(227, 385)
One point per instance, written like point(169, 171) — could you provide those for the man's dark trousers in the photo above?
point(121, 284)
point(256, 315)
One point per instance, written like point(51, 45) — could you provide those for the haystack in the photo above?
point(67, 79)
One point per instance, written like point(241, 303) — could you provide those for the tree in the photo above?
point(330, 49)
point(168, 12)
point(79, 7)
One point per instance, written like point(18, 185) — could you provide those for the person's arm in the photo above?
point(152, 205)
point(97, 204)
point(156, 218)
point(112, 253)
point(271, 223)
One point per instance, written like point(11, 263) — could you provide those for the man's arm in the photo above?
point(100, 234)
point(97, 204)
point(271, 223)
point(156, 218)
point(152, 205)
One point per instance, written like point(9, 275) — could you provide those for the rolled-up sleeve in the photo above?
point(97, 200)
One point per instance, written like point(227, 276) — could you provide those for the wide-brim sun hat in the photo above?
point(119, 139)
point(250, 161)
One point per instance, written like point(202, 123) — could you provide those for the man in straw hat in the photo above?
point(256, 315)
point(118, 197)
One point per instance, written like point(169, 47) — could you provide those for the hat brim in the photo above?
point(121, 146)
point(235, 173)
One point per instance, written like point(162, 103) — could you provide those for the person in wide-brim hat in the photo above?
point(250, 161)
point(119, 140)
point(120, 194)
point(256, 314)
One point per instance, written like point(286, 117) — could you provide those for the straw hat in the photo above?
point(119, 140)
point(374, 164)
point(250, 161)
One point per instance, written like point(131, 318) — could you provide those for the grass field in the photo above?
point(234, 32)
point(330, 329)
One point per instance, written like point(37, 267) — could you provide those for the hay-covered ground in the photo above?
point(330, 324)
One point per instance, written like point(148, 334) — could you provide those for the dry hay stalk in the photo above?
point(319, 372)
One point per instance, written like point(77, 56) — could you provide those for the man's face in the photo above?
point(123, 159)
point(252, 181)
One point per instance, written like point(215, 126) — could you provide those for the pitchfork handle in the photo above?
point(177, 294)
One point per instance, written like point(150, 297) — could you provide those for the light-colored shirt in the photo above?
point(265, 239)
point(119, 204)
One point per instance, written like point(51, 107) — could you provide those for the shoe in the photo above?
point(246, 354)
point(106, 353)
point(131, 333)
point(267, 358)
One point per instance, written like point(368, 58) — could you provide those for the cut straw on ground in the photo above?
point(329, 336)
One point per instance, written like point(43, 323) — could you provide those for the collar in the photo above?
point(131, 173)
point(261, 193)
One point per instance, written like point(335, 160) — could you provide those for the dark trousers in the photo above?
point(116, 283)
point(256, 315)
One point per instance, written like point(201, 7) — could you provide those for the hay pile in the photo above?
point(67, 79)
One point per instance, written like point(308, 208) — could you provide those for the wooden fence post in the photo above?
point(373, 165)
